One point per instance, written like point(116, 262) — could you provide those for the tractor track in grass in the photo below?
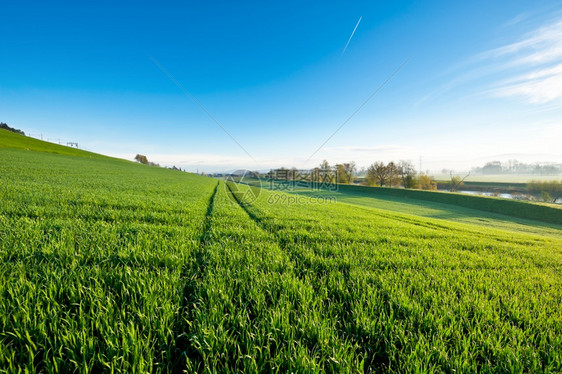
point(125, 268)
point(373, 348)
point(374, 344)
point(193, 271)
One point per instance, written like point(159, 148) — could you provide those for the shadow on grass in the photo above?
point(430, 209)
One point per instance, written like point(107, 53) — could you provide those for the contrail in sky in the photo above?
point(351, 35)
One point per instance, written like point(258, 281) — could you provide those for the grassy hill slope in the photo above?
point(91, 259)
point(12, 140)
point(417, 201)
point(108, 265)
point(434, 209)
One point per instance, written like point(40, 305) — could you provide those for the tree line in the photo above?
point(517, 167)
point(550, 191)
point(6, 127)
point(401, 174)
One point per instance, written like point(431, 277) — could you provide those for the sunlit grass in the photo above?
point(106, 265)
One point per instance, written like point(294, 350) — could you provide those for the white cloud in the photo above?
point(534, 62)
point(542, 43)
point(537, 87)
point(516, 20)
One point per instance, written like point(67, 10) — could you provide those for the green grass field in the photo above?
point(432, 209)
point(10, 140)
point(107, 265)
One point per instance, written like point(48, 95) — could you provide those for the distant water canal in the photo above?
point(505, 195)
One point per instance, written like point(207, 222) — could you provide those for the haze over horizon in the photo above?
point(466, 83)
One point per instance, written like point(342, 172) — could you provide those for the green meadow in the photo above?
point(371, 198)
point(111, 266)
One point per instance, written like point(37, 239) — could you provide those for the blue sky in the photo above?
point(483, 80)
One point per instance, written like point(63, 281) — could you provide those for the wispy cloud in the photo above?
point(517, 19)
point(528, 69)
point(538, 87)
point(541, 45)
point(534, 63)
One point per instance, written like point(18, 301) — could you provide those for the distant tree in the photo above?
point(393, 174)
point(457, 181)
point(377, 174)
point(294, 173)
point(315, 174)
point(408, 174)
point(326, 173)
point(345, 172)
point(362, 172)
point(493, 167)
point(324, 165)
point(410, 181)
point(6, 127)
point(281, 174)
point(550, 191)
point(516, 167)
point(350, 169)
point(142, 159)
point(512, 165)
point(341, 176)
point(545, 196)
point(427, 183)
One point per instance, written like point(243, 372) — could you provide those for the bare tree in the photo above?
point(550, 191)
point(315, 174)
point(456, 181)
point(408, 174)
point(294, 173)
point(393, 174)
point(326, 174)
point(377, 174)
point(345, 172)
point(341, 175)
point(362, 172)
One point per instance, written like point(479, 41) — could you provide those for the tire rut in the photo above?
point(193, 271)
